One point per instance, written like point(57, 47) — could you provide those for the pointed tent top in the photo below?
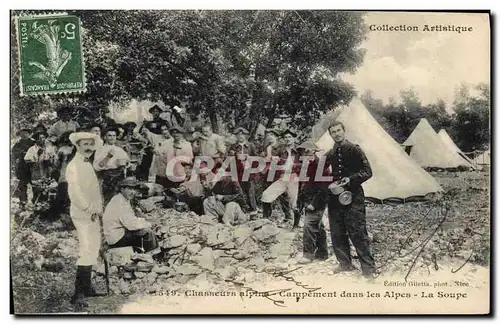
point(423, 128)
point(429, 151)
point(395, 175)
point(443, 134)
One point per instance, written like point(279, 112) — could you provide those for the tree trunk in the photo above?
point(212, 115)
point(272, 114)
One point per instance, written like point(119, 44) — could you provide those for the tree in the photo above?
point(241, 66)
point(399, 120)
point(471, 124)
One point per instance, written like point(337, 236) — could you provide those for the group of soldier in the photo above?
point(101, 170)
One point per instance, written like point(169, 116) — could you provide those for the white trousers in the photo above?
point(89, 237)
point(279, 187)
point(230, 213)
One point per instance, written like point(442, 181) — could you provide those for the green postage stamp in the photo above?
point(50, 54)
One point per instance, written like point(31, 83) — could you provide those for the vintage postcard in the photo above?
point(250, 162)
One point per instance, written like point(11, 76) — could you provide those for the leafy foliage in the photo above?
point(468, 125)
point(242, 67)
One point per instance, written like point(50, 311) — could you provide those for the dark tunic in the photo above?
point(154, 125)
point(22, 169)
point(248, 185)
point(348, 160)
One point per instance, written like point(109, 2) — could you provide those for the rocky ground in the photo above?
point(414, 239)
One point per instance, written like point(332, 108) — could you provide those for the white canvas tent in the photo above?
point(452, 146)
point(483, 159)
point(395, 175)
point(429, 151)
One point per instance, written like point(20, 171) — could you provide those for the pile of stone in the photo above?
point(196, 246)
point(50, 252)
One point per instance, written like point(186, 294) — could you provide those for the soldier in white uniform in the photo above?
point(86, 208)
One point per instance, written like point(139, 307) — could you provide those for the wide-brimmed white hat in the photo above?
point(75, 137)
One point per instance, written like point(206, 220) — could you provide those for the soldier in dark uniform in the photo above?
point(313, 194)
point(242, 149)
point(349, 164)
point(154, 126)
point(21, 168)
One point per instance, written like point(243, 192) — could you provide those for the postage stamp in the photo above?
point(50, 54)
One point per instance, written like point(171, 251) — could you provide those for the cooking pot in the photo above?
point(345, 198)
point(336, 188)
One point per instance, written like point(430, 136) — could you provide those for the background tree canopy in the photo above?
point(240, 68)
point(468, 123)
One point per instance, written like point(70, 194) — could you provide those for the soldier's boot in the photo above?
point(267, 209)
point(344, 268)
point(286, 207)
point(89, 289)
point(296, 218)
point(78, 298)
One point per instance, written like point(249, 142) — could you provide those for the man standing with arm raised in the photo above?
point(110, 160)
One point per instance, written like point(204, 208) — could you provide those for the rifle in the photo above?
point(300, 208)
point(102, 252)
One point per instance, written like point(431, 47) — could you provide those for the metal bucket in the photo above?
point(345, 198)
point(336, 188)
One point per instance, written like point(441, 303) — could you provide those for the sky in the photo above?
point(433, 63)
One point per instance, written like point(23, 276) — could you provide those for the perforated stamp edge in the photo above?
point(47, 94)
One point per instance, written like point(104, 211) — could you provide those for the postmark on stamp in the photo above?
point(50, 54)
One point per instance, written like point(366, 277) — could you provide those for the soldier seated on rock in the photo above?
point(121, 225)
point(225, 200)
point(190, 191)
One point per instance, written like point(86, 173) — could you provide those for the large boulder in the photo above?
point(187, 269)
point(150, 278)
point(161, 269)
point(144, 266)
point(249, 247)
point(267, 233)
point(205, 258)
point(258, 223)
point(174, 241)
point(258, 262)
point(241, 234)
point(148, 205)
point(193, 248)
point(39, 238)
point(142, 257)
point(120, 256)
point(227, 273)
point(225, 262)
point(139, 275)
point(219, 237)
point(124, 287)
